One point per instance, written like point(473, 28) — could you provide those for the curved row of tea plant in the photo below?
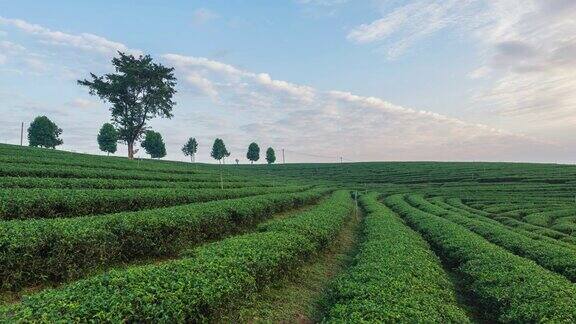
point(394, 278)
point(97, 183)
point(55, 250)
point(42, 171)
point(428, 172)
point(549, 255)
point(532, 231)
point(52, 203)
point(18, 154)
point(507, 287)
point(100, 163)
point(547, 218)
point(565, 225)
point(552, 233)
point(195, 288)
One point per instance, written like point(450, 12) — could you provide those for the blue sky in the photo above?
point(367, 80)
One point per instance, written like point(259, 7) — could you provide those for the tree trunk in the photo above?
point(221, 179)
point(131, 150)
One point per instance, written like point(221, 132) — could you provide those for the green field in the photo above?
point(104, 239)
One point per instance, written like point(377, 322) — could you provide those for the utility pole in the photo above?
point(340, 159)
point(283, 160)
point(22, 134)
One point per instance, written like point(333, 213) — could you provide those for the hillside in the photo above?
point(161, 241)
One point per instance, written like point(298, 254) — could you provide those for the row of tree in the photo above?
point(138, 91)
point(45, 133)
point(153, 142)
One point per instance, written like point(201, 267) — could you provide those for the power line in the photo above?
point(336, 158)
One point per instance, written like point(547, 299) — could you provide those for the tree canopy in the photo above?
point(154, 144)
point(44, 133)
point(138, 91)
point(108, 138)
point(270, 155)
point(190, 148)
point(253, 153)
point(219, 150)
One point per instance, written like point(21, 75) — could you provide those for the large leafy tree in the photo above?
point(190, 148)
point(270, 155)
point(154, 144)
point(44, 133)
point(108, 138)
point(138, 91)
point(253, 153)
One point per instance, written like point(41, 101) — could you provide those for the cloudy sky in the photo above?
point(457, 80)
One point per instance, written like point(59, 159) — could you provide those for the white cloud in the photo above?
point(404, 25)
point(248, 106)
point(202, 16)
point(195, 66)
point(203, 85)
point(81, 103)
point(297, 91)
point(335, 123)
point(7, 46)
point(35, 65)
point(84, 41)
point(531, 52)
point(184, 61)
point(528, 48)
point(22, 60)
point(321, 8)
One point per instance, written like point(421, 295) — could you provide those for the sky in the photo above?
point(365, 80)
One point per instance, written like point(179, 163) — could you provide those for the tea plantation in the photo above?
point(104, 239)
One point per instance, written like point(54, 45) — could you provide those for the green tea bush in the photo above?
point(96, 183)
point(394, 278)
point(506, 287)
point(57, 171)
point(197, 288)
point(55, 250)
point(533, 231)
point(566, 225)
point(52, 203)
point(547, 218)
point(549, 255)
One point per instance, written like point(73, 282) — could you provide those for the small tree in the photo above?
point(139, 91)
point(270, 155)
point(190, 149)
point(108, 139)
point(44, 133)
point(253, 153)
point(154, 144)
point(219, 152)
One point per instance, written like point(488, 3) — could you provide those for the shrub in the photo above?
point(196, 288)
point(55, 250)
point(394, 278)
point(507, 287)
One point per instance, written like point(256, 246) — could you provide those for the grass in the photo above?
point(301, 298)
